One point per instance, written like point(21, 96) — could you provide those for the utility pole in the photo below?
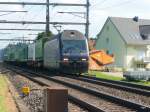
point(87, 19)
point(47, 18)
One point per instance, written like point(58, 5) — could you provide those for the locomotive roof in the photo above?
point(70, 34)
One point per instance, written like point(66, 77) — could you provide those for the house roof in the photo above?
point(129, 30)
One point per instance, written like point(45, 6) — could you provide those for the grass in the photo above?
point(98, 74)
point(142, 82)
point(3, 90)
point(105, 76)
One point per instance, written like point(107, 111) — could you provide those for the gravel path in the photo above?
point(144, 100)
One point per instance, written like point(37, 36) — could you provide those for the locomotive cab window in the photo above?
point(74, 46)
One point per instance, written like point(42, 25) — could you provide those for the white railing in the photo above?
point(146, 59)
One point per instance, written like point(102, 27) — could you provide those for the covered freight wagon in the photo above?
point(22, 52)
point(16, 53)
point(1, 55)
point(39, 47)
point(39, 51)
point(10, 53)
point(31, 54)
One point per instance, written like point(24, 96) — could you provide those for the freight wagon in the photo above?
point(31, 54)
point(39, 51)
point(16, 53)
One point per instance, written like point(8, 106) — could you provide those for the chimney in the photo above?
point(136, 19)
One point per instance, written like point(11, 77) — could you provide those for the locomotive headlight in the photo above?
point(66, 59)
point(83, 59)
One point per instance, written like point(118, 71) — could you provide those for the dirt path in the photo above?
point(7, 103)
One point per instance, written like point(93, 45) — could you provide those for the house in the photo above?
point(128, 39)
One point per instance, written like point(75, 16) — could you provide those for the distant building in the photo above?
point(128, 39)
point(1, 55)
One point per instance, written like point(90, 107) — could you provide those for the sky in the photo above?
point(100, 10)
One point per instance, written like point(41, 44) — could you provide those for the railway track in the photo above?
point(112, 101)
point(72, 100)
point(139, 98)
point(123, 83)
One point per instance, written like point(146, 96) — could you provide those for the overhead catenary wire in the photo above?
point(22, 29)
point(41, 3)
point(51, 4)
point(35, 16)
point(75, 14)
point(7, 14)
point(10, 12)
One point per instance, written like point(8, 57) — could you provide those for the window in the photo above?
point(107, 28)
point(107, 40)
point(107, 51)
point(74, 46)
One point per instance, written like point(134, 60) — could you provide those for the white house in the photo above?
point(128, 39)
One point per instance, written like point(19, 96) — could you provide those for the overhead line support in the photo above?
point(22, 29)
point(34, 22)
point(35, 3)
point(15, 40)
point(87, 20)
point(47, 18)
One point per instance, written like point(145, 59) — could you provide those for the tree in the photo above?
point(43, 34)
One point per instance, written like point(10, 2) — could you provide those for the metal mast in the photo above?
point(47, 18)
point(87, 19)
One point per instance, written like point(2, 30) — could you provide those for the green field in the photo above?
point(98, 74)
point(3, 89)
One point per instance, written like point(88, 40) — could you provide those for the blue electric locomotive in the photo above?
point(67, 52)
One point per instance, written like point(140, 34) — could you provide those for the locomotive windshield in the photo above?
point(74, 46)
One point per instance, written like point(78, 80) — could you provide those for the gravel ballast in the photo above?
point(144, 100)
point(35, 100)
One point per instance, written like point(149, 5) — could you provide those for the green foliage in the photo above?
point(43, 34)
